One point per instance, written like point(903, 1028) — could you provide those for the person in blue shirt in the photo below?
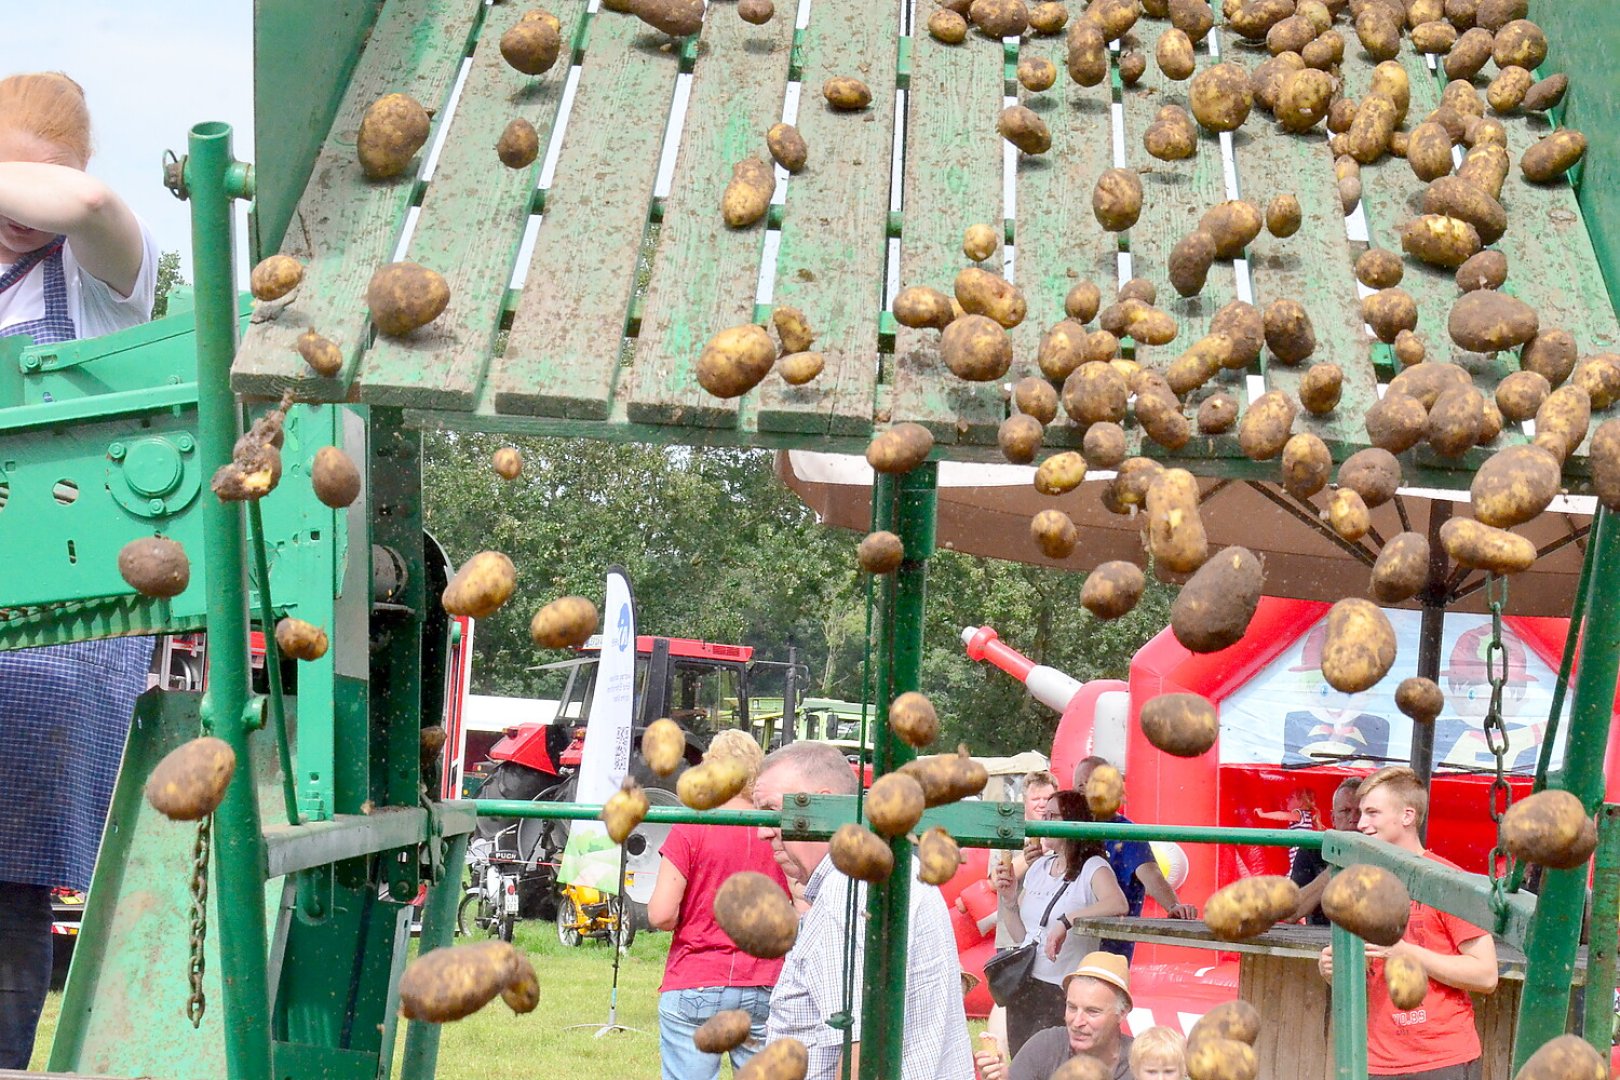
point(1136, 869)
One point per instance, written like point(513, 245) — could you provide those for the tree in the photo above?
point(168, 276)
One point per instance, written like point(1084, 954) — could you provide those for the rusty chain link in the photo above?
point(197, 1003)
point(1496, 737)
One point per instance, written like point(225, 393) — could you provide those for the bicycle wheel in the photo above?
point(461, 914)
point(624, 924)
point(568, 922)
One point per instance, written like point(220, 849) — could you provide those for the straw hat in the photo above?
point(1106, 967)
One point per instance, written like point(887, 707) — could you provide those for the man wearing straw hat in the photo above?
point(1098, 998)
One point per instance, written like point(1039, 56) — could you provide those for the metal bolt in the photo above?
point(30, 363)
point(116, 451)
point(157, 506)
point(801, 799)
point(185, 443)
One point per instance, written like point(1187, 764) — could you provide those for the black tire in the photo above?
point(626, 926)
point(506, 924)
point(461, 914)
point(566, 917)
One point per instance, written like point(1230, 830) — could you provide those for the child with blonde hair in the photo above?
point(1159, 1053)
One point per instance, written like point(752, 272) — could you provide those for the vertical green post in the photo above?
point(1597, 1026)
point(888, 903)
point(1349, 1006)
point(1555, 929)
point(438, 930)
point(213, 178)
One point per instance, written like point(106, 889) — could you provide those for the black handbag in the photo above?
point(1009, 972)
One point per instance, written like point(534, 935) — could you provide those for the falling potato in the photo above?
point(938, 857)
point(756, 914)
point(320, 353)
point(860, 853)
point(190, 781)
point(481, 586)
point(567, 622)
point(300, 640)
point(663, 746)
point(450, 983)
point(522, 993)
point(1550, 828)
point(1368, 901)
point(894, 804)
point(508, 463)
point(404, 296)
point(334, 477)
point(624, 810)
point(155, 566)
point(1250, 906)
point(1105, 792)
point(880, 552)
point(913, 718)
point(713, 783)
point(723, 1031)
point(275, 277)
point(1407, 981)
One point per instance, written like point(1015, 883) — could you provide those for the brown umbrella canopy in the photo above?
point(986, 509)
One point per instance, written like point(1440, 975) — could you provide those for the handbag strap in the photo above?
point(1055, 898)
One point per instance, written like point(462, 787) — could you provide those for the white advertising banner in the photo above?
point(1288, 714)
point(590, 858)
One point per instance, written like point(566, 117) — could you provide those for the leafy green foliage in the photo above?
point(717, 548)
point(168, 276)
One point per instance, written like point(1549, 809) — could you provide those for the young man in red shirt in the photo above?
point(1437, 1040)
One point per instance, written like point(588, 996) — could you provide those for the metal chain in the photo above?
point(197, 1003)
point(1496, 737)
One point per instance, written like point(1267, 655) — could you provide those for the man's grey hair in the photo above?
point(820, 765)
point(1122, 1000)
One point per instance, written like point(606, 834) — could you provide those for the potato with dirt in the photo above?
point(1116, 200)
point(939, 857)
point(1550, 828)
point(947, 27)
point(899, 449)
point(792, 329)
point(1289, 333)
point(532, 44)
point(1113, 589)
point(1347, 515)
point(1304, 98)
point(1440, 240)
point(1244, 325)
point(1284, 216)
point(1487, 270)
point(1420, 698)
point(1372, 473)
point(1087, 58)
point(481, 586)
point(1488, 321)
point(756, 914)
point(1035, 397)
point(756, 12)
point(564, 623)
point(1553, 156)
point(334, 477)
point(663, 746)
point(1455, 421)
point(1213, 609)
point(1054, 533)
point(860, 853)
point(1234, 225)
point(1221, 1059)
point(1359, 647)
point(982, 293)
point(782, 1059)
point(1407, 982)
point(1175, 530)
point(1172, 136)
point(1095, 393)
point(947, 778)
point(447, 984)
point(1551, 353)
point(392, 130)
point(913, 718)
point(1546, 94)
point(1216, 414)
point(846, 94)
point(880, 552)
point(1236, 1020)
point(1374, 126)
point(1000, 18)
point(1563, 420)
point(1306, 465)
point(1389, 312)
point(1182, 725)
point(1395, 422)
point(1174, 55)
point(624, 810)
point(747, 196)
point(1019, 438)
point(155, 566)
point(1515, 484)
point(1477, 546)
point(320, 353)
point(1105, 792)
point(1320, 389)
point(190, 782)
point(1024, 128)
point(1103, 445)
point(976, 348)
point(724, 1031)
point(275, 277)
point(1459, 199)
point(518, 145)
point(1220, 97)
point(1567, 1057)
point(1060, 473)
point(1248, 907)
point(403, 296)
point(1368, 901)
point(1159, 413)
point(894, 804)
point(1603, 456)
point(1428, 151)
point(300, 640)
point(919, 307)
point(1379, 268)
point(1264, 430)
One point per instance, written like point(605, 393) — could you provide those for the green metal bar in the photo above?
point(658, 815)
point(1555, 930)
point(99, 407)
point(272, 665)
point(291, 848)
point(888, 903)
point(1597, 1026)
point(213, 178)
point(438, 929)
point(1349, 1006)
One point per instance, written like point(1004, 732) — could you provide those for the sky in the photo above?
point(150, 69)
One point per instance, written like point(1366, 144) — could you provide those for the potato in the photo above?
point(1095, 393)
point(1192, 17)
point(938, 857)
point(1200, 363)
point(712, 783)
point(979, 242)
point(1562, 420)
point(300, 640)
point(1459, 199)
point(1486, 166)
point(1289, 333)
point(1253, 18)
point(1427, 382)
point(899, 449)
point(155, 566)
point(1306, 465)
point(1212, 611)
point(1378, 268)
point(1116, 200)
point(1370, 132)
point(1035, 397)
point(1105, 792)
point(1515, 484)
point(912, 717)
point(1132, 66)
point(1216, 414)
point(976, 348)
point(1567, 1057)
point(1174, 55)
point(1550, 828)
point(1551, 354)
point(1133, 478)
point(320, 353)
point(1428, 151)
point(1469, 53)
point(947, 26)
point(677, 18)
point(1087, 59)
point(1603, 456)
point(1599, 376)
point(1159, 413)
point(782, 1059)
point(1103, 445)
point(1060, 473)
point(1283, 216)
point(1347, 515)
point(846, 94)
point(1545, 94)
point(1112, 589)
point(1486, 270)
point(1184, 725)
point(1024, 128)
point(756, 12)
point(518, 145)
point(1054, 533)
point(1048, 18)
point(1359, 647)
point(757, 915)
point(1520, 43)
point(1378, 32)
point(334, 477)
point(1265, 428)
point(1234, 225)
point(1463, 98)
point(1420, 698)
point(1396, 422)
point(946, 778)
point(1290, 35)
point(522, 991)
point(918, 306)
point(1082, 301)
point(447, 984)
point(1175, 530)
point(1520, 394)
point(1036, 73)
point(880, 552)
point(663, 746)
point(792, 329)
point(860, 853)
point(1246, 908)
point(1325, 53)
point(624, 810)
point(1552, 156)
point(894, 804)
point(392, 130)
point(481, 586)
point(1174, 139)
point(252, 472)
point(725, 1030)
point(1020, 438)
point(190, 782)
point(1481, 547)
point(1220, 98)
point(1319, 390)
point(1000, 18)
point(747, 197)
point(1374, 474)
point(799, 368)
point(1304, 98)
point(1440, 240)
point(532, 44)
point(1368, 901)
point(403, 296)
point(1435, 36)
point(1236, 1020)
point(275, 277)
point(1489, 321)
point(564, 623)
point(1407, 982)
point(982, 293)
point(1455, 421)
point(1508, 88)
point(735, 360)
point(1149, 325)
point(1190, 261)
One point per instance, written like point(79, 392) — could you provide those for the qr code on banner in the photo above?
point(621, 750)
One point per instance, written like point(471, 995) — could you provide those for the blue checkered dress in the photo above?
point(64, 711)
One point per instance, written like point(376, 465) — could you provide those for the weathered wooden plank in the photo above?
point(1314, 267)
point(562, 356)
point(471, 226)
point(835, 221)
point(705, 275)
point(953, 179)
point(345, 224)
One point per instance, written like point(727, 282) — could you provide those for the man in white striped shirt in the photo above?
point(811, 986)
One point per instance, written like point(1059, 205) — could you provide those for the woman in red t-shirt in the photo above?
point(706, 973)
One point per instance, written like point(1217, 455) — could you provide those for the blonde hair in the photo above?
point(1163, 1045)
point(739, 745)
point(49, 106)
point(1404, 784)
point(1039, 776)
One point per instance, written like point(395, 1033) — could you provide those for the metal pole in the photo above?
point(888, 903)
point(1597, 1026)
point(438, 930)
point(1349, 1006)
point(272, 666)
point(213, 178)
point(1429, 635)
point(790, 697)
point(1555, 930)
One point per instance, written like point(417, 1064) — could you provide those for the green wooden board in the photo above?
point(953, 179)
point(835, 222)
point(562, 356)
point(443, 363)
point(1315, 266)
point(346, 225)
point(705, 276)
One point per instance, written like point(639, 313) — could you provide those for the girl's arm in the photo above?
point(58, 199)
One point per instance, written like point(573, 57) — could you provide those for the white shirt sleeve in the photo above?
point(99, 309)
